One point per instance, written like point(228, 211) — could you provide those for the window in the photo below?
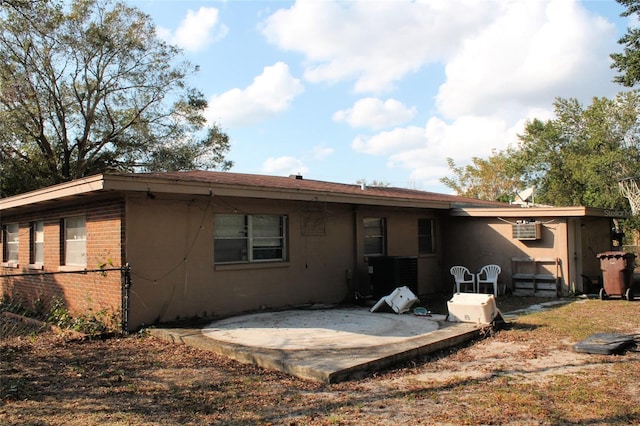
point(10, 239)
point(374, 231)
point(75, 241)
point(37, 243)
point(249, 238)
point(426, 240)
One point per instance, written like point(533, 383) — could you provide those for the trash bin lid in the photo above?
point(616, 254)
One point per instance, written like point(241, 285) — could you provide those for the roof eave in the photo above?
point(64, 190)
point(124, 183)
point(578, 211)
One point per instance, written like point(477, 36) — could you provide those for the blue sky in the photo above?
point(386, 90)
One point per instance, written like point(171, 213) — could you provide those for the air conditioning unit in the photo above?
point(527, 231)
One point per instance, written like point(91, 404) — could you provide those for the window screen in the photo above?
point(37, 242)
point(374, 240)
point(75, 241)
point(426, 240)
point(11, 242)
point(249, 238)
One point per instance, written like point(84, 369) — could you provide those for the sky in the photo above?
point(387, 90)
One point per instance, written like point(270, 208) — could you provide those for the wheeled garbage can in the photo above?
point(617, 274)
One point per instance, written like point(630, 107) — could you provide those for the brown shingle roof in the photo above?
point(298, 183)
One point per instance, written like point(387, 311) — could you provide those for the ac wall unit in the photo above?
point(527, 231)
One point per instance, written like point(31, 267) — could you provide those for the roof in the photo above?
point(299, 184)
point(227, 184)
point(215, 183)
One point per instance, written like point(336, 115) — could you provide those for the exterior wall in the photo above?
point(170, 243)
point(170, 248)
point(596, 238)
point(475, 242)
point(402, 240)
point(79, 291)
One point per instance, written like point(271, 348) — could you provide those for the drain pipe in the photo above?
point(126, 285)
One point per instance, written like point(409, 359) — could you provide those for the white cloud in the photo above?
point(320, 152)
point(375, 113)
point(401, 138)
point(284, 166)
point(531, 53)
point(373, 43)
point(504, 61)
point(462, 139)
point(270, 93)
point(196, 31)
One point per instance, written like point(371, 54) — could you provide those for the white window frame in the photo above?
point(75, 243)
point(11, 244)
point(254, 243)
point(379, 235)
point(36, 237)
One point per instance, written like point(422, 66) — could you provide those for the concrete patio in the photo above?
point(326, 345)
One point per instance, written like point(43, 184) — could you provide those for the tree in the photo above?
point(628, 62)
point(87, 87)
point(579, 157)
point(574, 159)
point(490, 179)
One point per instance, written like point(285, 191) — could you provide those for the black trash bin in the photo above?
point(617, 274)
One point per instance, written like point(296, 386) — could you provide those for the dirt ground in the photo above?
point(524, 373)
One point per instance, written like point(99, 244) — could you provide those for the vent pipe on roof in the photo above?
point(297, 177)
point(363, 186)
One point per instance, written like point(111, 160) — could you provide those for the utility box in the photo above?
point(386, 273)
point(475, 308)
point(617, 274)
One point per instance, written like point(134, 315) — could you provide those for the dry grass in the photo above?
point(526, 373)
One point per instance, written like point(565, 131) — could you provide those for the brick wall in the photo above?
point(81, 291)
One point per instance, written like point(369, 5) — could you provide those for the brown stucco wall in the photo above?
point(477, 241)
point(170, 249)
point(81, 292)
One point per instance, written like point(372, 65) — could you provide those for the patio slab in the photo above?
point(326, 345)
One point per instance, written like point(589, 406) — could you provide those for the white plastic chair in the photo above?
point(490, 273)
point(463, 277)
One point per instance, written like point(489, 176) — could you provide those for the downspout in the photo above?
point(355, 273)
point(126, 285)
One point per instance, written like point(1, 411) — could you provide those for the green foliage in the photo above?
point(59, 315)
point(628, 62)
point(90, 322)
point(578, 157)
point(493, 178)
point(88, 87)
point(575, 159)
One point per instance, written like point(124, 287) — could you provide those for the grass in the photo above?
point(525, 373)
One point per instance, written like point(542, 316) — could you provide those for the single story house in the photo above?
point(157, 247)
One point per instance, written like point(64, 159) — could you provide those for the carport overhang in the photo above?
point(537, 212)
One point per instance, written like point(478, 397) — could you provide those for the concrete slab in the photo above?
point(327, 345)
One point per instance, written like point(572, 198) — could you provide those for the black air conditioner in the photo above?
point(387, 273)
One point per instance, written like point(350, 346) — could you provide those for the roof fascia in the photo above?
point(538, 212)
point(123, 183)
point(76, 187)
